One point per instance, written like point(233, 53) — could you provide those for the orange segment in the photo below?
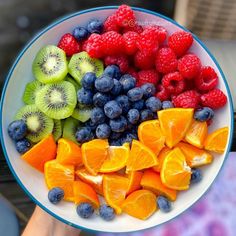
point(151, 180)
point(40, 153)
point(174, 123)
point(194, 156)
point(140, 157)
point(161, 158)
point(149, 133)
point(94, 154)
point(140, 204)
point(134, 181)
point(197, 133)
point(57, 175)
point(85, 193)
point(175, 173)
point(217, 140)
point(68, 153)
point(115, 188)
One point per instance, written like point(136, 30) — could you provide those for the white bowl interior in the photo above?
point(33, 182)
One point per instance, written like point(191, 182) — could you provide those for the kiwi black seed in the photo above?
point(57, 129)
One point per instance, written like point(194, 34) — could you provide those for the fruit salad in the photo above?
point(119, 112)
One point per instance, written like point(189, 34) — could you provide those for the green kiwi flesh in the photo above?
point(57, 100)
point(82, 114)
point(50, 64)
point(38, 124)
point(71, 80)
point(57, 129)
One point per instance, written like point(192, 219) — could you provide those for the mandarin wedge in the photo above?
point(40, 153)
point(174, 123)
point(161, 158)
point(140, 204)
point(134, 181)
point(217, 140)
point(175, 173)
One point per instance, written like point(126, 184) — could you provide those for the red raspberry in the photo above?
point(207, 79)
point(93, 46)
point(110, 24)
point(130, 39)
point(214, 99)
point(125, 16)
point(119, 60)
point(148, 76)
point(134, 28)
point(180, 42)
point(166, 60)
point(112, 43)
point(69, 44)
point(174, 83)
point(84, 45)
point(133, 72)
point(159, 31)
point(187, 99)
point(144, 61)
point(189, 66)
point(162, 93)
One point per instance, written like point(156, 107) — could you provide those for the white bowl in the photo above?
point(33, 182)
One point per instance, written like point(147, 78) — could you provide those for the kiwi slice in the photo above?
point(71, 80)
point(38, 124)
point(82, 114)
point(50, 64)
point(30, 92)
point(57, 129)
point(57, 100)
point(81, 63)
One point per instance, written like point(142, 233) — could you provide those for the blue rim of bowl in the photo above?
point(60, 20)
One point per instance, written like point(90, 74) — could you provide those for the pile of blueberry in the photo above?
point(119, 106)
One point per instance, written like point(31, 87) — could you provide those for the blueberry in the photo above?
point(139, 105)
point(196, 175)
point(128, 82)
point(116, 90)
point(135, 94)
point(148, 90)
point(154, 104)
point(84, 134)
point(104, 84)
point(115, 142)
point(112, 71)
point(91, 125)
point(167, 104)
point(23, 145)
point(112, 109)
point(85, 210)
point(97, 115)
point(55, 195)
point(146, 114)
point(100, 99)
point(80, 33)
point(204, 114)
point(106, 212)
point(118, 124)
point(124, 103)
point(128, 138)
point(133, 116)
point(103, 131)
point(88, 80)
point(115, 135)
point(95, 26)
point(85, 96)
point(17, 129)
point(163, 204)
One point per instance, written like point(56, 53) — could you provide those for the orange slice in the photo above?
point(140, 157)
point(115, 188)
point(174, 123)
point(57, 175)
point(68, 152)
point(140, 204)
point(161, 158)
point(94, 154)
point(85, 193)
point(175, 173)
point(134, 181)
point(40, 153)
point(197, 133)
point(149, 133)
point(217, 140)
point(194, 156)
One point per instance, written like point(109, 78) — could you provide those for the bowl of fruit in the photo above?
point(115, 119)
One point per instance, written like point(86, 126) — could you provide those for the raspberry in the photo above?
point(134, 28)
point(187, 99)
point(133, 72)
point(93, 46)
point(148, 76)
point(180, 42)
point(189, 66)
point(130, 39)
point(112, 43)
point(125, 16)
point(144, 61)
point(166, 60)
point(214, 99)
point(159, 32)
point(110, 24)
point(119, 60)
point(174, 83)
point(84, 45)
point(207, 79)
point(69, 44)
point(162, 93)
